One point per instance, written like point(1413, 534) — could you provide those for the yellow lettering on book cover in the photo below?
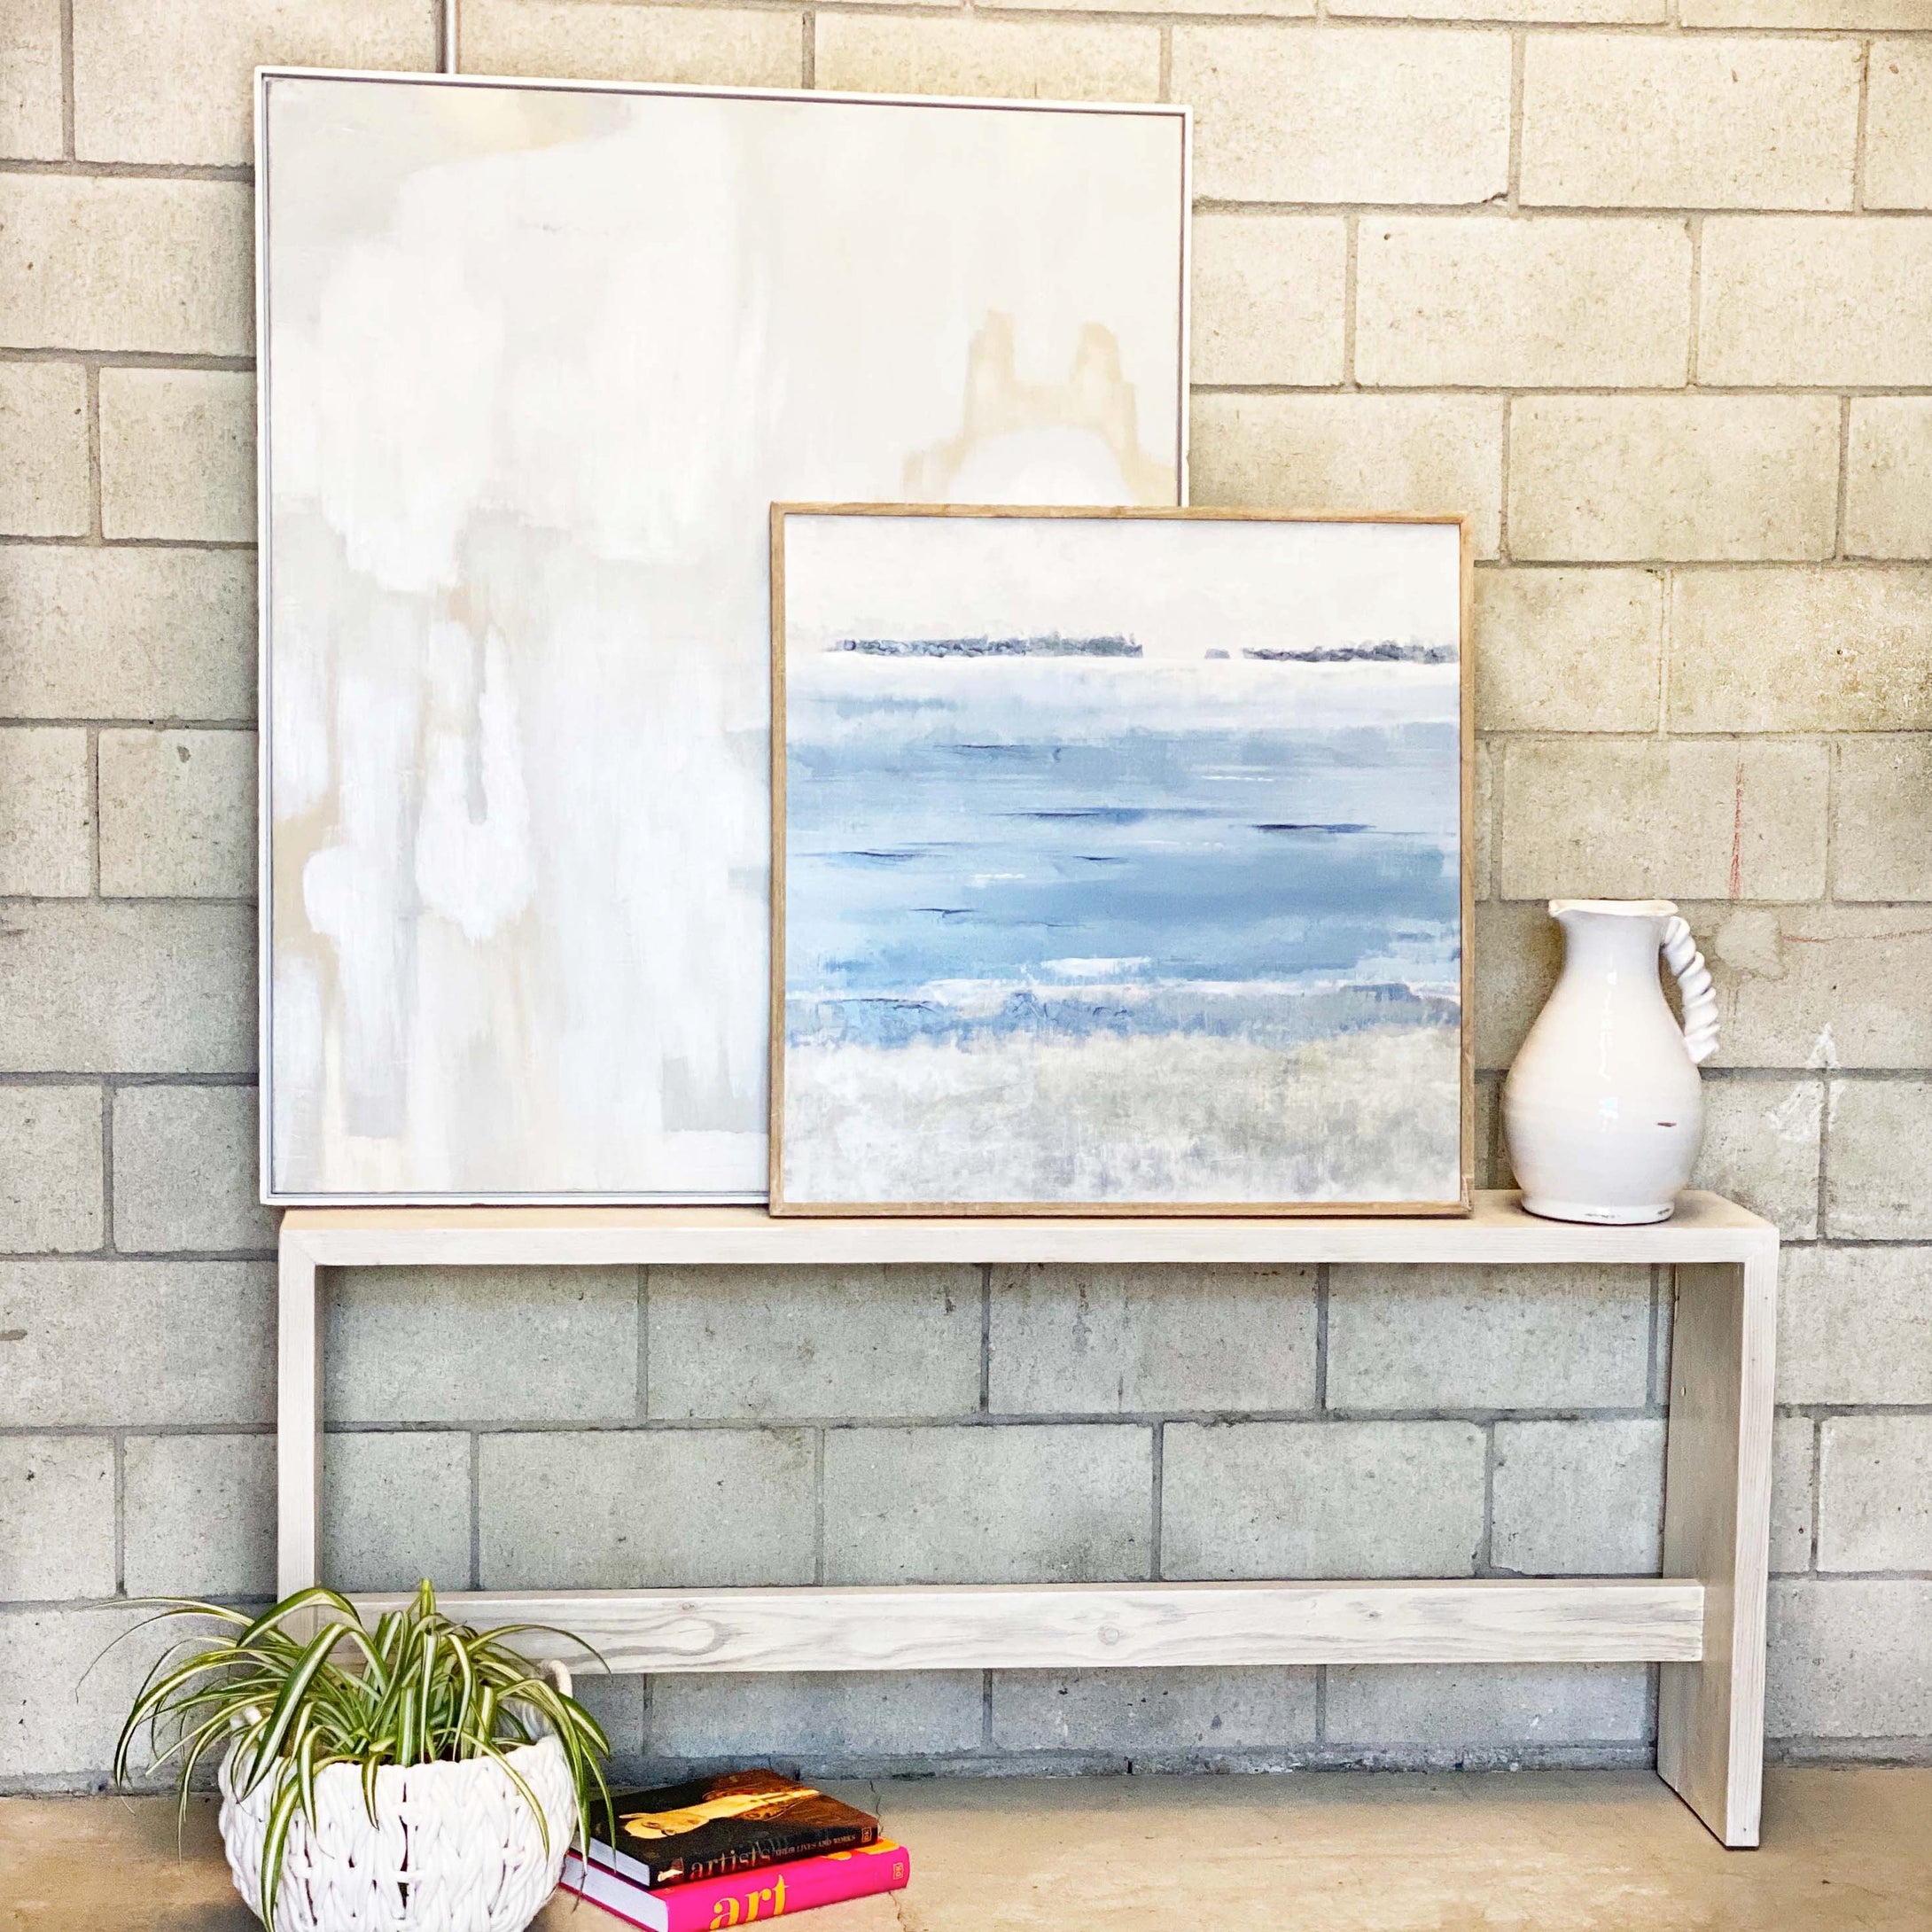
point(725, 1913)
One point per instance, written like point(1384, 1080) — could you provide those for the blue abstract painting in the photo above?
point(1121, 862)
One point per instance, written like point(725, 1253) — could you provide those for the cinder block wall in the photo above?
point(1643, 286)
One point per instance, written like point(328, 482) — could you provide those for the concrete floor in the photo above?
point(1600, 1851)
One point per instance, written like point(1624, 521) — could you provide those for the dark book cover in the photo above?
point(733, 1822)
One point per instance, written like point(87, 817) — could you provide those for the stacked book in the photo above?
point(723, 1851)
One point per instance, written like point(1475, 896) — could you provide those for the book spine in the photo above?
point(619, 1896)
point(717, 1904)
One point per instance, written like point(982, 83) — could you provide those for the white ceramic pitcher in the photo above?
point(1603, 1111)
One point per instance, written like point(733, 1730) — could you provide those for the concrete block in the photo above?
point(58, 1719)
point(1790, 301)
point(1818, 987)
point(178, 455)
point(1793, 1512)
point(134, 1343)
point(30, 81)
point(128, 988)
point(1015, 1505)
point(1801, 12)
point(1639, 818)
point(57, 1517)
point(1159, 1714)
point(1889, 478)
point(821, 1715)
point(1653, 120)
point(133, 634)
point(1875, 1493)
point(1849, 1658)
point(1488, 1338)
point(1518, 950)
point(177, 814)
point(1375, 115)
point(1349, 453)
point(618, 1704)
point(965, 55)
point(185, 1171)
point(1898, 125)
point(1855, 1326)
point(395, 1508)
point(1638, 478)
point(199, 1516)
point(1455, 1707)
point(1490, 301)
point(1842, 650)
point(170, 80)
point(51, 1170)
point(590, 40)
point(810, 1342)
point(1586, 12)
point(481, 1344)
point(1130, 1340)
point(1483, 793)
point(1660, 1346)
point(618, 1509)
point(44, 486)
point(1874, 1182)
point(1177, 9)
point(1882, 838)
point(125, 262)
point(1488, 1159)
point(1578, 1499)
point(1321, 1500)
point(1268, 299)
point(1761, 1148)
point(46, 815)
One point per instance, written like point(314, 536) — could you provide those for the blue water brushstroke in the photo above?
point(1225, 860)
point(1264, 1017)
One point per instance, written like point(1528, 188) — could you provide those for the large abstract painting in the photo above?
point(536, 359)
point(1122, 863)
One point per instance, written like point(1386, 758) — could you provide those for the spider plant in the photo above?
point(305, 1686)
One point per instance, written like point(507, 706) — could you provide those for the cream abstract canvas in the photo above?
point(536, 358)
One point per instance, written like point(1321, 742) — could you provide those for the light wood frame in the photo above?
point(1465, 693)
point(1702, 1622)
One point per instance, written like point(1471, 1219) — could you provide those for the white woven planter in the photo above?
point(457, 1847)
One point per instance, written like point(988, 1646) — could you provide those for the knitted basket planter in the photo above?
point(456, 1847)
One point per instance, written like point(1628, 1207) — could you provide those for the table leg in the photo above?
point(298, 1420)
point(1717, 1527)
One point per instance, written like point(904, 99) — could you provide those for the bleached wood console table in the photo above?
point(1703, 1621)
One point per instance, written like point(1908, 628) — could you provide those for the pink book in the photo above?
point(712, 1905)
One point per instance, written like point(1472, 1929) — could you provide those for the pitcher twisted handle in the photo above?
point(1694, 981)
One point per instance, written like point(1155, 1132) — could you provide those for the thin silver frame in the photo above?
point(272, 1197)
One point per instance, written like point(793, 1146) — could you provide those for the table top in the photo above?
point(1705, 1227)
